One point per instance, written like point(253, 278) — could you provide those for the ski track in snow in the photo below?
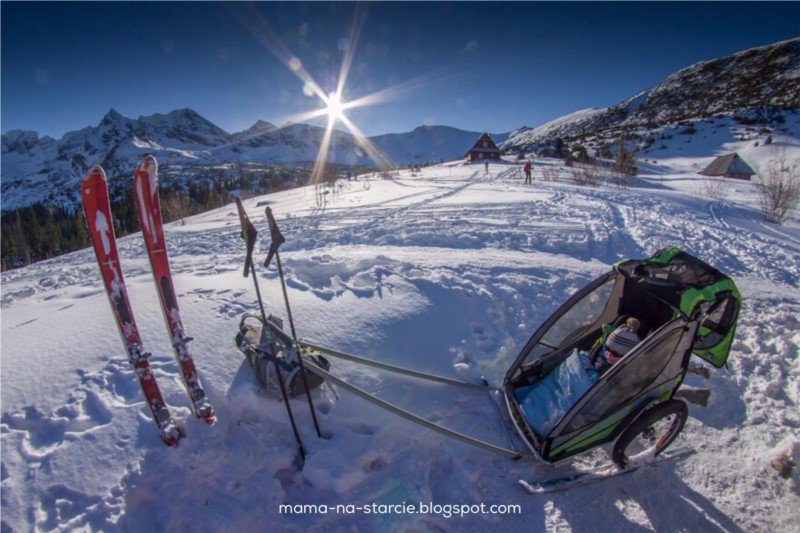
point(447, 271)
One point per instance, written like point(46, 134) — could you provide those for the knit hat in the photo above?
point(633, 324)
point(622, 340)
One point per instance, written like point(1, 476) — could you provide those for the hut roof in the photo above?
point(490, 148)
point(728, 165)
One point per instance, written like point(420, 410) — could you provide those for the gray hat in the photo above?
point(622, 340)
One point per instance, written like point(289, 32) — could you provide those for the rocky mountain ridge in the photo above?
point(757, 86)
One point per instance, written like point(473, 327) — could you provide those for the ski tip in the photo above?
point(145, 178)
point(148, 164)
point(95, 172)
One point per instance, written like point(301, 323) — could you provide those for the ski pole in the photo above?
point(277, 368)
point(297, 346)
point(249, 235)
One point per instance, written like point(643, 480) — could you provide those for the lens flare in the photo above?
point(333, 105)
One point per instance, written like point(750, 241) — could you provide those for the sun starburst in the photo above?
point(333, 104)
point(335, 107)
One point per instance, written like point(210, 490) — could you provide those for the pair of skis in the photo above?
point(97, 208)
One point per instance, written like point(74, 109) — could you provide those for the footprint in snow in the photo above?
point(83, 411)
point(62, 507)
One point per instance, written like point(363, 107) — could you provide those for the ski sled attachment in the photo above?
point(558, 407)
point(278, 358)
point(97, 210)
point(602, 473)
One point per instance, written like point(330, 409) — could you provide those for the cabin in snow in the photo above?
point(729, 166)
point(484, 148)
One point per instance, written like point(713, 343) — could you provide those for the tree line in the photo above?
point(41, 231)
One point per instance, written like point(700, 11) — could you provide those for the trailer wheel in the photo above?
point(653, 431)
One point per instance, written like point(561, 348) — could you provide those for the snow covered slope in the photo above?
point(447, 271)
point(759, 86)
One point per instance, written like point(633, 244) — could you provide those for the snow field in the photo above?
point(446, 271)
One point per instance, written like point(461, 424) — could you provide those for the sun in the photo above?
point(332, 103)
point(335, 109)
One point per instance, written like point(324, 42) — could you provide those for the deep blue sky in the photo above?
point(480, 66)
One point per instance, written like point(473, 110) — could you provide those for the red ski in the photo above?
point(96, 207)
point(145, 189)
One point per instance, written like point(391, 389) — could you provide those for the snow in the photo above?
point(447, 270)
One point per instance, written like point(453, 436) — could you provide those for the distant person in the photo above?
point(528, 172)
point(486, 166)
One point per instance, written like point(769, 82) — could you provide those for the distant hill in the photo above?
point(758, 86)
point(429, 143)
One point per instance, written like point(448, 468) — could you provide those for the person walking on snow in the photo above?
point(527, 169)
point(486, 166)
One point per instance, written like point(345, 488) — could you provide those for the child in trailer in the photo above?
point(549, 399)
point(618, 343)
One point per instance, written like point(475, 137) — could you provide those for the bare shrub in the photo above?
point(587, 175)
point(175, 208)
point(624, 165)
point(716, 189)
point(550, 173)
point(779, 187)
point(321, 193)
point(620, 179)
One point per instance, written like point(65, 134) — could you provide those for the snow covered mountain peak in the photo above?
point(113, 116)
point(22, 141)
point(260, 127)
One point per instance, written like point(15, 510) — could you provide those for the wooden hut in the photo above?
point(484, 148)
point(729, 166)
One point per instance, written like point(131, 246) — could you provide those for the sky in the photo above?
point(476, 66)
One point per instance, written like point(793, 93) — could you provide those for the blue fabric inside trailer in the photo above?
point(547, 400)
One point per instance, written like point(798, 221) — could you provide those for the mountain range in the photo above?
point(43, 168)
point(758, 86)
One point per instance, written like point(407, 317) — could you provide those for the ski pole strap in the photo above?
point(513, 454)
point(393, 368)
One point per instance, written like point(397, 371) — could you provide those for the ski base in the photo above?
point(600, 473)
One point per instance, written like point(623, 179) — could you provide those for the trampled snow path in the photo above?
point(446, 271)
